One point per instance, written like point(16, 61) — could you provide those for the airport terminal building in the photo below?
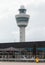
point(22, 50)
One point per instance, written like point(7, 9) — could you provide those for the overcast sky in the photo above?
point(9, 31)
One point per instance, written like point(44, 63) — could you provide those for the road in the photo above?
point(20, 63)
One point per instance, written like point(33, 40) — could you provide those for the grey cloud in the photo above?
point(36, 26)
point(35, 30)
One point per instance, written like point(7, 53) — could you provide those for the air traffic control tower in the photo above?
point(22, 21)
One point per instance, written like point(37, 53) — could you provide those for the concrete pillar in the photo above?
point(22, 34)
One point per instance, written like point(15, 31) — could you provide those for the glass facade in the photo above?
point(19, 19)
point(24, 54)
